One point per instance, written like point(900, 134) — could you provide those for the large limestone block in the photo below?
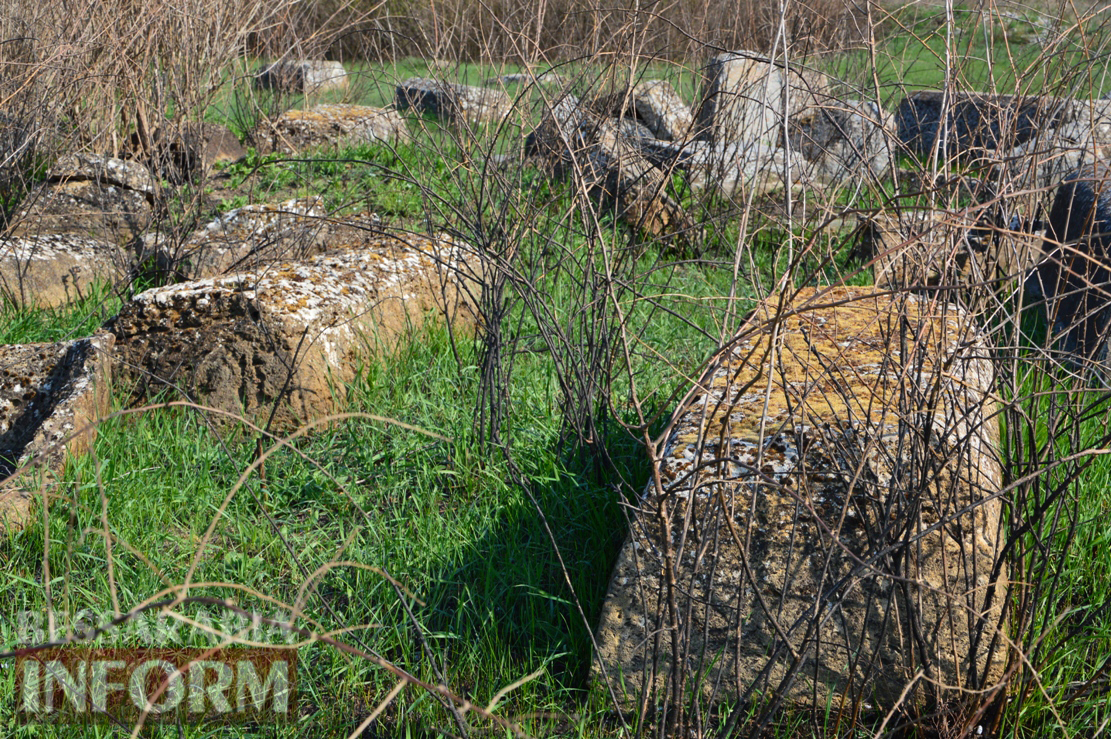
point(915, 249)
point(828, 525)
point(337, 126)
point(453, 102)
point(51, 396)
point(655, 103)
point(734, 170)
point(98, 197)
point(56, 269)
point(291, 334)
point(977, 121)
point(303, 76)
point(745, 96)
point(844, 141)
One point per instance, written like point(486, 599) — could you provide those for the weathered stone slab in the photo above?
point(916, 249)
point(50, 397)
point(254, 236)
point(655, 103)
point(850, 140)
point(56, 269)
point(452, 101)
point(97, 197)
point(291, 334)
point(732, 169)
point(336, 126)
point(828, 524)
point(303, 76)
point(745, 96)
point(977, 121)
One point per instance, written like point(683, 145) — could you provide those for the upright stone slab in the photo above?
point(336, 126)
point(50, 397)
point(56, 269)
point(290, 335)
point(453, 102)
point(977, 121)
point(98, 197)
point(303, 76)
point(829, 497)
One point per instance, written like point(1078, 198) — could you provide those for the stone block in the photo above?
point(303, 76)
point(734, 170)
point(655, 103)
point(844, 141)
point(291, 334)
point(335, 126)
point(827, 522)
point(453, 102)
point(56, 269)
point(51, 396)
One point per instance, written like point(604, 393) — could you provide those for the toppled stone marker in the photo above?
point(53, 270)
point(453, 102)
point(337, 126)
point(655, 103)
point(50, 395)
point(303, 76)
point(98, 197)
point(829, 490)
point(291, 334)
point(732, 169)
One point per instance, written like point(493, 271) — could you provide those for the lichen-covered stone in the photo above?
point(655, 103)
point(303, 76)
point(51, 396)
point(97, 197)
point(828, 522)
point(337, 126)
point(56, 269)
point(290, 335)
point(452, 101)
point(745, 97)
point(843, 141)
point(977, 121)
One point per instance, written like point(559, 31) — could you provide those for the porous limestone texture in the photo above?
point(97, 197)
point(255, 236)
point(745, 96)
point(976, 121)
point(827, 523)
point(843, 141)
point(291, 334)
point(452, 101)
point(915, 249)
point(303, 76)
point(655, 103)
point(51, 395)
point(336, 126)
point(56, 269)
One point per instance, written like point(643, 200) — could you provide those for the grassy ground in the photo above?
point(484, 599)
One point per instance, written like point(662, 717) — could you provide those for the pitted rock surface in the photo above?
point(829, 489)
point(303, 76)
point(53, 270)
point(452, 101)
point(655, 103)
point(335, 126)
point(97, 197)
point(50, 394)
point(844, 141)
point(248, 238)
point(291, 333)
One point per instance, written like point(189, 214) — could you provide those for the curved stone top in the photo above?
point(253, 221)
point(103, 170)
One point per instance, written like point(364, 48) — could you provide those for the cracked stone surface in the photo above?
point(337, 126)
point(50, 395)
point(56, 269)
point(452, 101)
point(826, 511)
point(291, 334)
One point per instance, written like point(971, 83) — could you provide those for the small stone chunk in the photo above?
point(51, 395)
point(55, 269)
point(828, 525)
point(291, 335)
point(337, 126)
point(453, 102)
point(303, 76)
